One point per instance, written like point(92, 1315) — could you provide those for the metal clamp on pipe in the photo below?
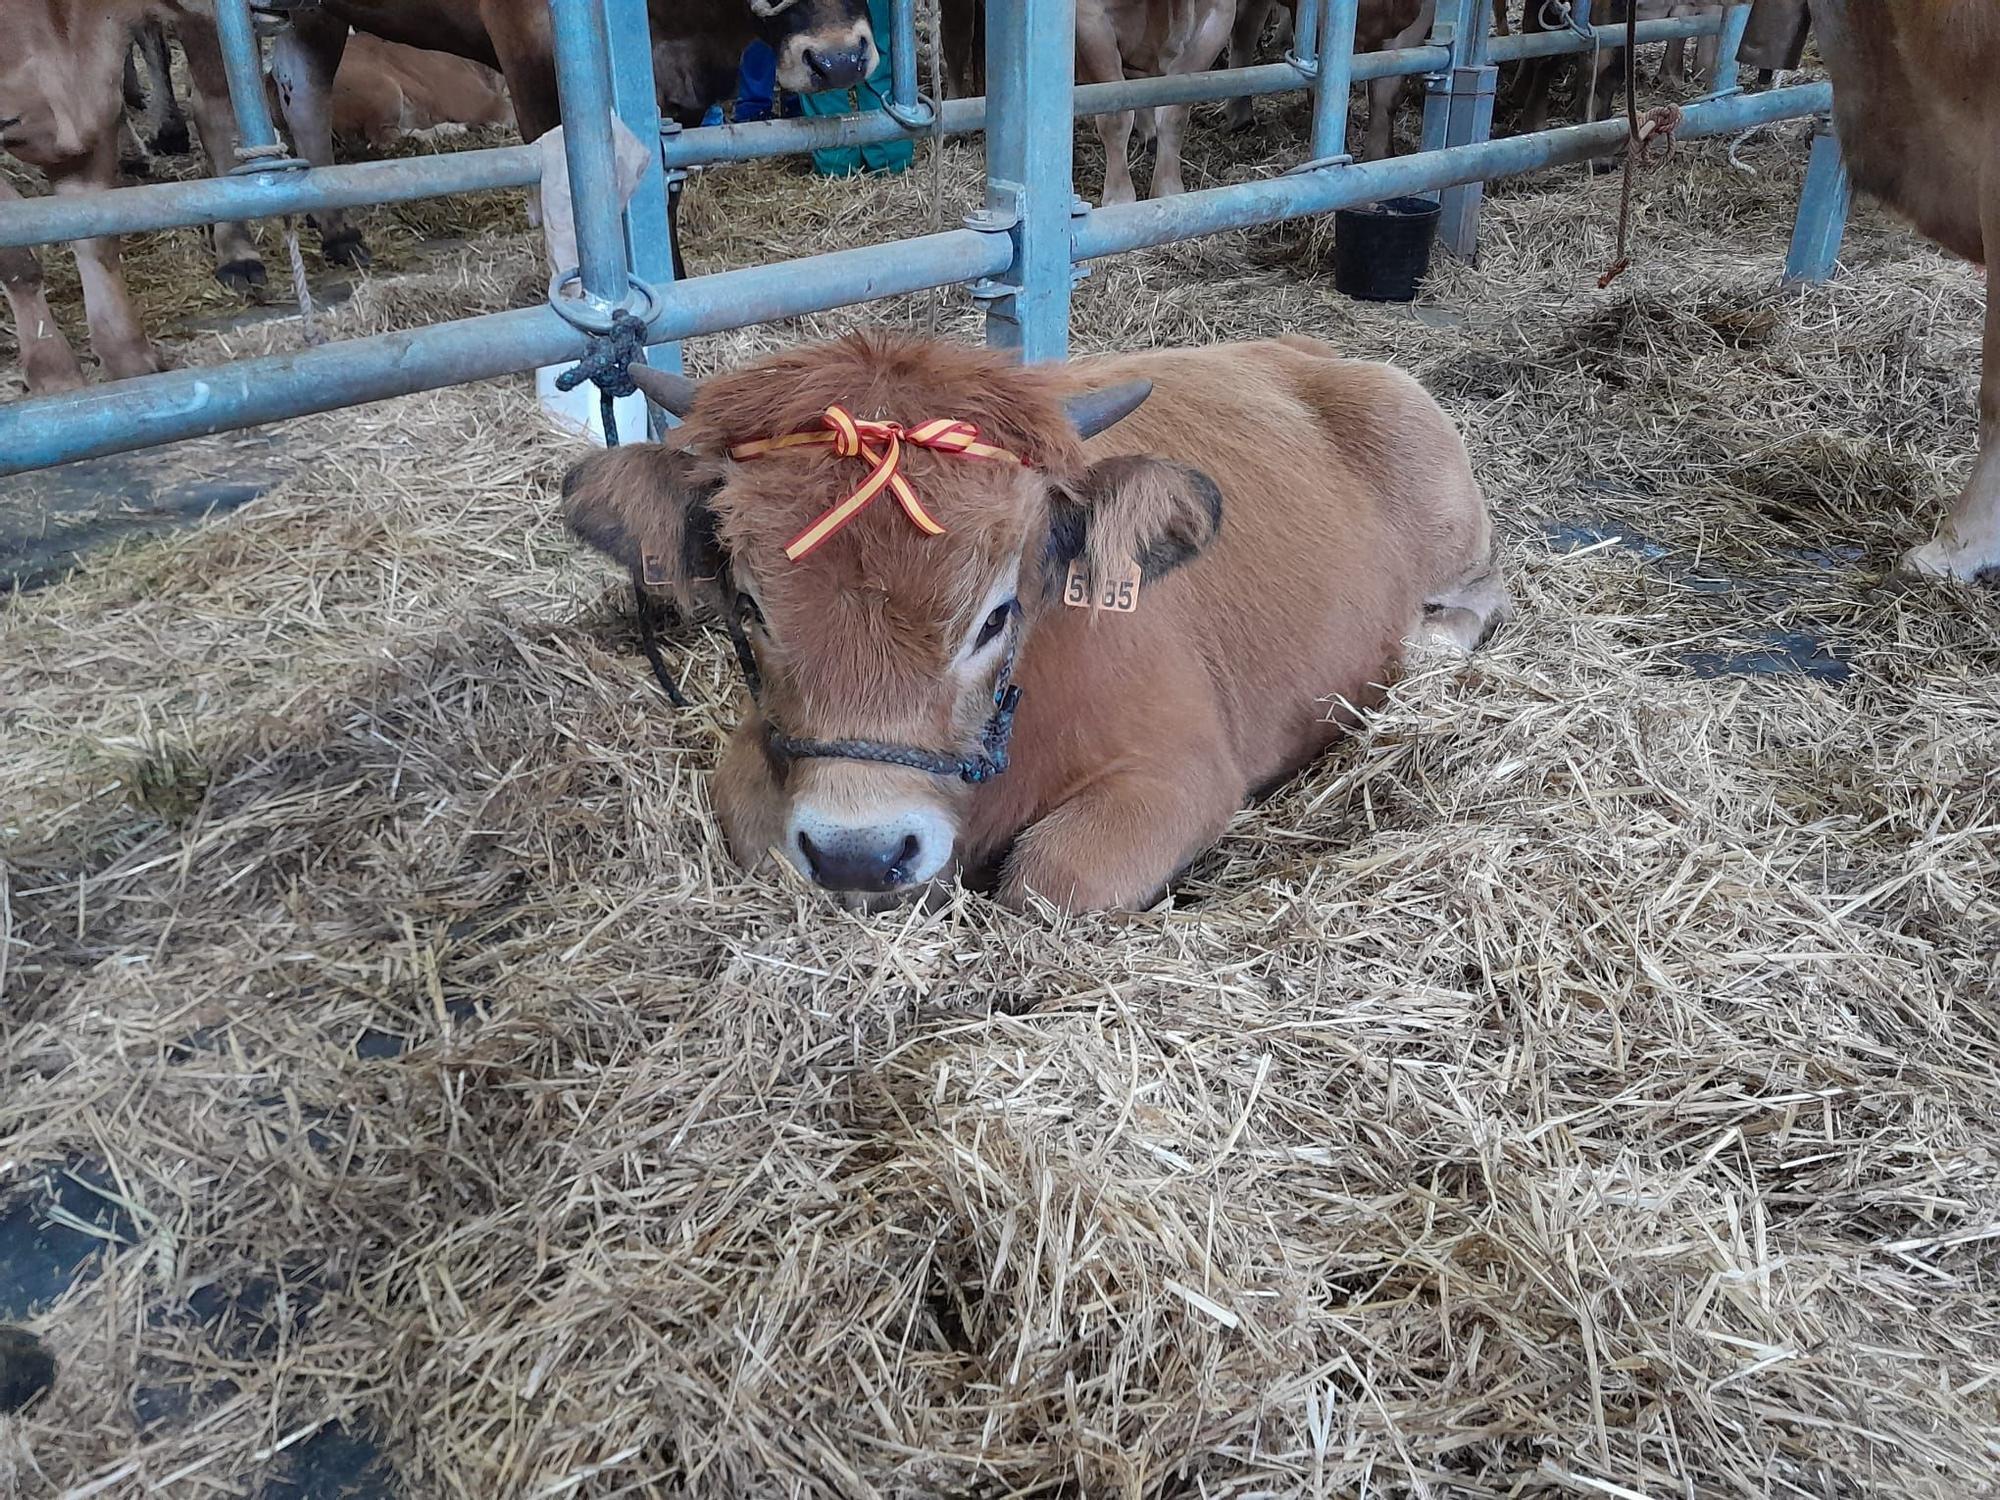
point(1306, 67)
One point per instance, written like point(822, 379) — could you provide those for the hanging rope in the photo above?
point(1640, 140)
point(301, 289)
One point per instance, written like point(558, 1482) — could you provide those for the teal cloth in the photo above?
point(886, 156)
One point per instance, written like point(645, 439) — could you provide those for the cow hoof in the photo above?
point(137, 168)
point(171, 141)
point(1941, 559)
point(27, 1370)
point(1236, 126)
point(54, 382)
point(346, 249)
point(241, 276)
point(1602, 166)
point(1124, 194)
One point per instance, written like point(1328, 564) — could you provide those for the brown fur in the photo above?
point(384, 89)
point(62, 88)
point(1916, 100)
point(1347, 510)
point(1118, 39)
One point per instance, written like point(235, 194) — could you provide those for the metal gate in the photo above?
point(1018, 253)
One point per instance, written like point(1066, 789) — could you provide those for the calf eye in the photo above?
point(747, 611)
point(995, 623)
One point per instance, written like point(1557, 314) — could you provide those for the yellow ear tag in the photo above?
point(653, 569)
point(1120, 595)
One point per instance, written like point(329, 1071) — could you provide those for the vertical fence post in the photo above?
point(648, 231)
point(583, 84)
point(1332, 83)
point(903, 53)
point(1823, 204)
point(1304, 54)
point(1030, 69)
point(257, 145)
point(1469, 119)
point(1723, 81)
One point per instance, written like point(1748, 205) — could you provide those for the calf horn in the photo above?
point(1093, 411)
point(665, 389)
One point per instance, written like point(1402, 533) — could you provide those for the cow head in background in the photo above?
point(882, 635)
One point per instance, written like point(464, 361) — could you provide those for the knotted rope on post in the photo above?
point(1645, 143)
point(609, 364)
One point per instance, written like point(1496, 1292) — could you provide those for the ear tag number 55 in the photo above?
point(1120, 595)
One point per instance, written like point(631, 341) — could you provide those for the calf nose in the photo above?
point(836, 67)
point(888, 856)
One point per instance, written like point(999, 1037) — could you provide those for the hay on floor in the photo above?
point(1584, 1083)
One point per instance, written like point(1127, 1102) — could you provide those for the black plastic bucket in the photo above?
point(1382, 250)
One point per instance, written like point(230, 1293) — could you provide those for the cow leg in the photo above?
point(1384, 97)
point(116, 333)
point(1673, 67)
point(1243, 39)
point(238, 263)
point(1098, 61)
point(1116, 844)
point(304, 58)
point(46, 357)
point(166, 121)
point(1464, 615)
point(1203, 45)
point(1967, 545)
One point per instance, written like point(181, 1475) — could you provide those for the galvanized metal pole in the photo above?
point(903, 54)
point(1332, 84)
point(583, 82)
point(1469, 120)
point(648, 230)
point(1823, 205)
point(1735, 21)
point(257, 143)
point(1305, 38)
point(1030, 66)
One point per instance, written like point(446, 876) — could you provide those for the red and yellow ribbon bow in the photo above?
point(881, 443)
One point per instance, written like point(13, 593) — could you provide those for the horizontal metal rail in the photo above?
point(129, 414)
point(1159, 221)
point(180, 205)
point(125, 415)
point(1608, 38)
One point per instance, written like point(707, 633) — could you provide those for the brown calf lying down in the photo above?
point(1292, 519)
point(384, 89)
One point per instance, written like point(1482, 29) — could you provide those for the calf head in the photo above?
point(819, 44)
point(879, 656)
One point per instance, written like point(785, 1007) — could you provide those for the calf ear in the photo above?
point(1133, 509)
point(645, 506)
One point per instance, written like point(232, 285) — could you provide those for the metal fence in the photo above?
point(1019, 252)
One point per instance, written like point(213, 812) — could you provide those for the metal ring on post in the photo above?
point(254, 159)
point(593, 314)
point(1305, 67)
point(919, 116)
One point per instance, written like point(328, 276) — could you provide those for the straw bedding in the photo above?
point(1584, 1083)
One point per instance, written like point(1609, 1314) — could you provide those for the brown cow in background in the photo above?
point(1117, 39)
point(1280, 520)
point(698, 47)
point(62, 105)
point(1378, 25)
point(384, 90)
point(1916, 100)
